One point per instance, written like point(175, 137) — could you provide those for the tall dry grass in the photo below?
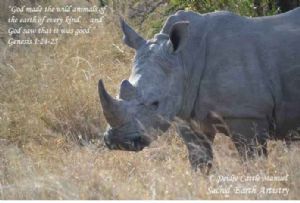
point(49, 108)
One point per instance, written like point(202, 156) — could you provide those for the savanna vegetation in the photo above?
point(51, 122)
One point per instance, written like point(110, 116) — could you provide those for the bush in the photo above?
point(241, 7)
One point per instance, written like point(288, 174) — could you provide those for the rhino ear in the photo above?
point(127, 91)
point(131, 38)
point(178, 36)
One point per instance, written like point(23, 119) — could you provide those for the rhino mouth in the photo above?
point(133, 142)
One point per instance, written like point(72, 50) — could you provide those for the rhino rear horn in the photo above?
point(127, 91)
point(131, 38)
point(112, 108)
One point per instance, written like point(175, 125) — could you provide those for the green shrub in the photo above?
point(241, 7)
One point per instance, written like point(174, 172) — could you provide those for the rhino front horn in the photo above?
point(111, 107)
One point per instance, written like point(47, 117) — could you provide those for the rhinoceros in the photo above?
point(219, 71)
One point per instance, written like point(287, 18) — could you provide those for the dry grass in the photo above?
point(49, 100)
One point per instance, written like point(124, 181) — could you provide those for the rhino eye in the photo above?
point(155, 104)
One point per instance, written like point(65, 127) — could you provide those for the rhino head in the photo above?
point(152, 96)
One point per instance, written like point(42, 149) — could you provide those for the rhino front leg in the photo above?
point(249, 136)
point(199, 147)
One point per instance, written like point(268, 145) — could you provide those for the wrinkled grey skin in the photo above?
point(247, 70)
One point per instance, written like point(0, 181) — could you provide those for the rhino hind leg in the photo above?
point(249, 136)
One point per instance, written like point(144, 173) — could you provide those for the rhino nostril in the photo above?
point(121, 147)
point(107, 142)
point(137, 139)
point(137, 142)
